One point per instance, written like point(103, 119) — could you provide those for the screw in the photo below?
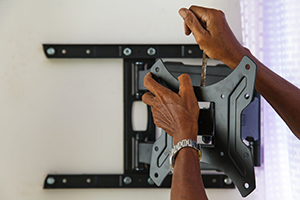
point(222, 153)
point(50, 180)
point(246, 155)
point(151, 51)
point(246, 185)
point(150, 181)
point(127, 180)
point(222, 96)
point(88, 180)
point(247, 96)
point(227, 181)
point(127, 51)
point(50, 51)
point(156, 148)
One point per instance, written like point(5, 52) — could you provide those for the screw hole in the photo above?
point(247, 66)
point(222, 96)
point(246, 185)
point(156, 175)
point(246, 155)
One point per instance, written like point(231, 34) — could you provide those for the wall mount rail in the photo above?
point(136, 58)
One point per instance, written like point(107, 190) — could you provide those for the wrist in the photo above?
point(186, 134)
point(192, 144)
point(234, 58)
point(178, 139)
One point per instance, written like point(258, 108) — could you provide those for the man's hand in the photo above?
point(176, 113)
point(213, 35)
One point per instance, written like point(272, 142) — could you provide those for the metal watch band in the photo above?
point(183, 144)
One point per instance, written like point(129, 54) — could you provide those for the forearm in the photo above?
point(283, 96)
point(187, 181)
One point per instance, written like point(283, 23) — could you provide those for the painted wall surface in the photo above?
point(66, 116)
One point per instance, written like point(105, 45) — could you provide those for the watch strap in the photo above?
point(180, 145)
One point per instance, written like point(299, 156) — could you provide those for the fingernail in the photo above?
point(183, 13)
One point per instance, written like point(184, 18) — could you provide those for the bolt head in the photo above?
point(127, 180)
point(127, 51)
point(50, 180)
point(151, 51)
point(227, 181)
point(50, 51)
point(150, 181)
point(247, 96)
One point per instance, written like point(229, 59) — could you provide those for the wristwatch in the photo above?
point(183, 144)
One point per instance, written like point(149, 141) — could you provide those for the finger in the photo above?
point(201, 14)
point(182, 13)
point(185, 85)
point(160, 120)
point(187, 31)
point(154, 87)
point(148, 98)
point(206, 14)
point(192, 23)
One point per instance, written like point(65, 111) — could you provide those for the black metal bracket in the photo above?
point(138, 145)
point(226, 151)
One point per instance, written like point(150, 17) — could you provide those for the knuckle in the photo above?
point(217, 13)
point(199, 41)
point(193, 7)
point(184, 76)
point(220, 14)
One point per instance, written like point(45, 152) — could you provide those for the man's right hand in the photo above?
point(213, 35)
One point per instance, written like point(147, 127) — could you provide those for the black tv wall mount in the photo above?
point(229, 119)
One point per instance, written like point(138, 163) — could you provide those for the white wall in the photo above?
point(66, 116)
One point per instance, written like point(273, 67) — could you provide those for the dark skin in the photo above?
point(178, 113)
